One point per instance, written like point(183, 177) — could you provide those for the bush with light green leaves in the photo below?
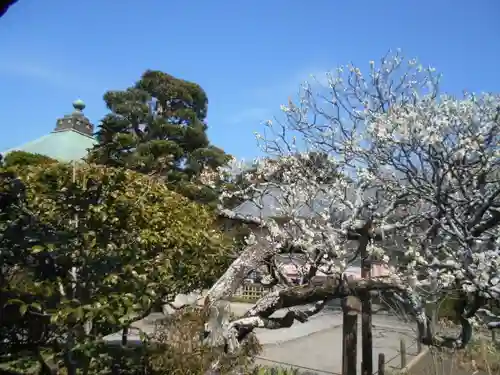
point(23, 159)
point(86, 250)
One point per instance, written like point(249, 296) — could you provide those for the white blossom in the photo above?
point(416, 173)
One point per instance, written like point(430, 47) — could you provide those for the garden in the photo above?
point(373, 167)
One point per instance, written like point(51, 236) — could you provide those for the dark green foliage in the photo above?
point(316, 165)
point(94, 244)
point(157, 127)
point(23, 158)
point(448, 305)
point(321, 166)
point(5, 5)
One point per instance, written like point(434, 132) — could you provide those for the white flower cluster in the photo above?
point(416, 173)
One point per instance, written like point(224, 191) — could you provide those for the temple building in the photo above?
point(70, 140)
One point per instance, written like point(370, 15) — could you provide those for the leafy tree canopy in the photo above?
point(23, 158)
point(309, 163)
point(157, 127)
point(89, 247)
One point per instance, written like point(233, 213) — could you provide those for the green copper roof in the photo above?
point(65, 146)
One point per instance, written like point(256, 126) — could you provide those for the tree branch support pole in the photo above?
point(349, 336)
point(402, 352)
point(366, 306)
point(381, 364)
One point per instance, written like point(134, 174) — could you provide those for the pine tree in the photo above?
point(157, 127)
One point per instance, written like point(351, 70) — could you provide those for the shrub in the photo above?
point(23, 159)
point(87, 250)
point(176, 347)
point(180, 350)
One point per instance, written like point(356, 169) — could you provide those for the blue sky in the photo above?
point(249, 56)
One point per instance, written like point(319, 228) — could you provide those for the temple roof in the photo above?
point(70, 140)
point(65, 146)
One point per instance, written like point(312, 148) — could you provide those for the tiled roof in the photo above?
point(268, 206)
point(271, 203)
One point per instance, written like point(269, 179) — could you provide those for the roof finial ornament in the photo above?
point(76, 120)
point(79, 105)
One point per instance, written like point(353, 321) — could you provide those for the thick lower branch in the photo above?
point(246, 325)
point(251, 258)
point(319, 293)
point(319, 290)
point(316, 292)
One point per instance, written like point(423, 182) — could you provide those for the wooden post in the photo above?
point(419, 343)
point(366, 306)
point(402, 351)
point(381, 364)
point(366, 335)
point(124, 336)
point(349, 337)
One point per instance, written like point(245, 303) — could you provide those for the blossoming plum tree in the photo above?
point(417, 172)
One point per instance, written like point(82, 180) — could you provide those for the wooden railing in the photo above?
point(250, 291)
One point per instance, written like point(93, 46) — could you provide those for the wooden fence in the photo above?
point(250, 291)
